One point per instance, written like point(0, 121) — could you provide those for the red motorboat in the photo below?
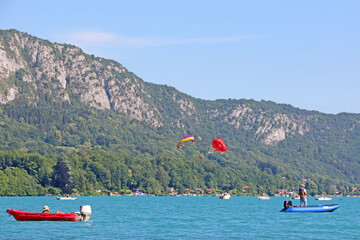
point(31, 216)
point(84, 215)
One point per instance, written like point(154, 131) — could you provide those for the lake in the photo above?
point(182, 218)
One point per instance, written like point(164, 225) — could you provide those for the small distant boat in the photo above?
point(225, 196)
point(66, 198)
point(83, 215)
point(315, 208)
point(264, 197)
point(322, 198)
point(295, 197)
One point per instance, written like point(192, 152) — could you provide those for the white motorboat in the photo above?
point(322, 198)
point(225, 196)
point(264, 197)
point(66, 198)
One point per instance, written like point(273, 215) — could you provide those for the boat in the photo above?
point(315, 208)
point(323, 198)
point(66, 198)
point(225, 196)
point(83, 215)
point(295, 197)
point(264, 197)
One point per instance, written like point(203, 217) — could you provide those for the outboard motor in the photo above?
point(287, 204)
point(85, 212)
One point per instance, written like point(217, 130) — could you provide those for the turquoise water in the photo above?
point(182, 218)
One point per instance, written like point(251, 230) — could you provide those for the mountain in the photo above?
point(64, 111)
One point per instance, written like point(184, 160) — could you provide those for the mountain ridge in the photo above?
point(105, 84)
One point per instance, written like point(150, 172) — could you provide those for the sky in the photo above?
point(303, 53)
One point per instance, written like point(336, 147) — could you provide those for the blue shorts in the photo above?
point(303, 201)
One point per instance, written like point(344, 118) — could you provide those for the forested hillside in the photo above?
point(75, 123)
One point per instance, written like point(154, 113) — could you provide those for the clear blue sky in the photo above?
point(303, 53)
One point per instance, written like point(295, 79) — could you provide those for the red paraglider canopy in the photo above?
point(219, 145)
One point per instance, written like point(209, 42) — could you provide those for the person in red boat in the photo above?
point(46, 209)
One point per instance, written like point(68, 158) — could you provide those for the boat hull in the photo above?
point(31, 216)
point(65, 198)
point(323, 199)
point(264, 197)
point(317, 208)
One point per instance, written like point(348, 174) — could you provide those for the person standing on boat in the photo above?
point(303, 194)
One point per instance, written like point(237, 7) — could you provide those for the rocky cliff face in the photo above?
point(270, 127)
point(62, 70)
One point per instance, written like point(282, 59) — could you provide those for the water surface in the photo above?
point(182, 218)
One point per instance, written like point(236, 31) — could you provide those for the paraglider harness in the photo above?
point(287, 204)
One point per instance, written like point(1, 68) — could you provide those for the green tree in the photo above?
point(62, 175)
